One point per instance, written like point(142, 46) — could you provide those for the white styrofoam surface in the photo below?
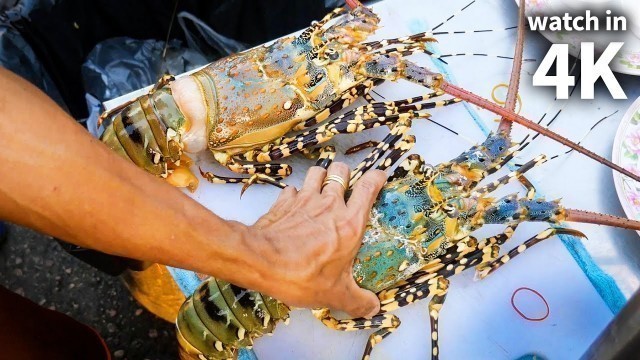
point(477, 321)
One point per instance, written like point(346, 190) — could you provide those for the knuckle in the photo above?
point(350, 228)
point(367, 184)
point(334, 198)
point(316, 171)
point(324, 205)
point(378, 177)
point(339, 168)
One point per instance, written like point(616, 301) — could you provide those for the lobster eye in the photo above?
point(333, 55)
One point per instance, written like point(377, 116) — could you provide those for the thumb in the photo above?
point(361, 302)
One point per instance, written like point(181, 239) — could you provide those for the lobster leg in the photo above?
point(489, 254)
point(327, 154)
point(306, 37)
point(385, 323)
point(357, 120)
point(435, 305)
point(394, 67)
point(377, 109)
point(396, 139)
point(416, 289)
point(360, 147)
point(345, 100)
point(511, 176)
point(399, 149)
point(256, 178)
point(546, 234)
point(265, 173)
point(326, 132)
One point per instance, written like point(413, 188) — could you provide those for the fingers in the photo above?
point(360, 302)
point(364, 194)
point(286, 196)
point(314, 179)
point(333, 187)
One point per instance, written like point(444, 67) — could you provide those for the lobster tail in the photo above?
point(220, 317)
point(601, 219)
point(148, 132)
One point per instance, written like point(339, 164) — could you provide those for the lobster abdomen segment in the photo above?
point(143, 131)
point(220, 318)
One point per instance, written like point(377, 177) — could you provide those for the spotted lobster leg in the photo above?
point(394, 67)
point(544, 235)
point(384, 323)
point(396, 144)
point(357, 120)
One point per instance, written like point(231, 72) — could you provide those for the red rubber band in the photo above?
point(546, 304)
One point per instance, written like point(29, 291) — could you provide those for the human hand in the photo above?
point(310, 238)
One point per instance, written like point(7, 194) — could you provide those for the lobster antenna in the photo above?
point(453, 16)
point(585, 135)
point(589, 217)
point(455, 32)
point(481, 54)
point(514, 80)
point(166, 41)
point(524, 143)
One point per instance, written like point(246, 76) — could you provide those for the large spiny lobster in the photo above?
point(251, 102)
point(419, 234)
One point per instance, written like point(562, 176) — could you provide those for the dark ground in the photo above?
point(34, 265)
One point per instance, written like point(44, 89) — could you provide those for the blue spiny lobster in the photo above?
point(244, 108)
point(419, 234)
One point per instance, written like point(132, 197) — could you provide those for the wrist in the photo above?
point(241, 261)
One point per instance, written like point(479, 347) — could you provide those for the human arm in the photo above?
point(59, 180)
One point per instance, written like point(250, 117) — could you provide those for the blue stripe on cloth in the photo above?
point(604, 284)
point(188, 282)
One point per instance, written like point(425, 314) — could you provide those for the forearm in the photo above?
point(59, 180)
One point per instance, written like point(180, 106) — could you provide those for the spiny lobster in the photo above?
point(250, 103)
point(419, 234)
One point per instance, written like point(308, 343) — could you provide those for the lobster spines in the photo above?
point(511, 208)
point(353, 28)
point(589, 217)
point(475, 164)
point(465, 95)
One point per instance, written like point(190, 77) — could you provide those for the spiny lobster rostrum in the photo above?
point(244, 108)
point(419, 234)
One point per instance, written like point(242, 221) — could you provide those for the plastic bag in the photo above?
point(121, 65)
point(15, 53)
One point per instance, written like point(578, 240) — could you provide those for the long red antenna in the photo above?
point(589, 217)
point(514, 81)
point(465, 95)
point(354, 3)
